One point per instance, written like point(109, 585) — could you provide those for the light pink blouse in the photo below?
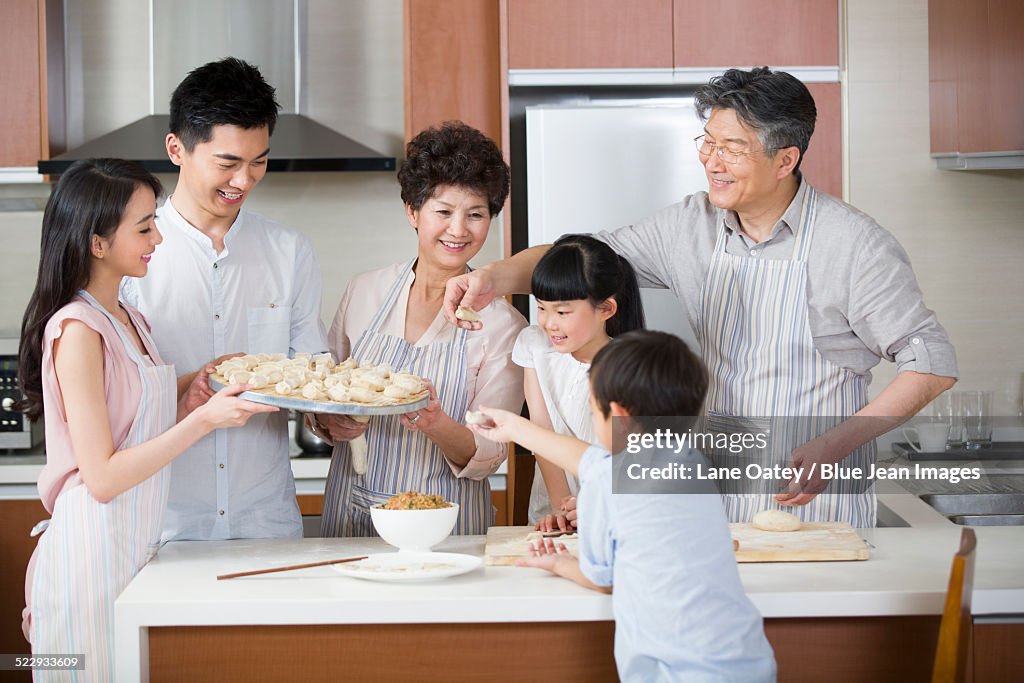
point(121, 386)
point(495, 381)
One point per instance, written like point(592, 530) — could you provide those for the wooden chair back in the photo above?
point(953, 651)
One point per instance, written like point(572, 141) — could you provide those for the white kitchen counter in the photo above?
point(19, 474)
point(906, 575)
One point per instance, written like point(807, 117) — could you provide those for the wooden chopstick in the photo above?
point(557, 533)
point(290, 567)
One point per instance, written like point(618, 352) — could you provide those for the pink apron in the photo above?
point(91, 550)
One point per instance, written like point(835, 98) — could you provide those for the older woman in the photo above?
point(454, 182)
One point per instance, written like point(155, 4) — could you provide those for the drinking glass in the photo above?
point(947, 409)
point(976, 409)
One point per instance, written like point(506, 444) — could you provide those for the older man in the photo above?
point(793, 294)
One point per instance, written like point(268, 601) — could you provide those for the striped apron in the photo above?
point(91, 551)
point(756, 340)
point(399, 459)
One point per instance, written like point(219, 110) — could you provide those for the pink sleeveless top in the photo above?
point(121, 386)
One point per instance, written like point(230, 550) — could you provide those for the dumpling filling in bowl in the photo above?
point(411, 500)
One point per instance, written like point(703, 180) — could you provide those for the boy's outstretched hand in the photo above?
point(545, 554)
point(505, 426)
point(556, 559)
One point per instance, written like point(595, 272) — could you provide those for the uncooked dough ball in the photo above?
point(776, 520)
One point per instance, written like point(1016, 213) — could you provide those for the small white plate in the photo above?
point(410, 566)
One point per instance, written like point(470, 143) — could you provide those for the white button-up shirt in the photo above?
point(261, 294)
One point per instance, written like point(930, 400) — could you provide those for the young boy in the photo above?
point(680, 609)
point(224, 281)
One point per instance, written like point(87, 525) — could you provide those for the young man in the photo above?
point(794, 295)
point(680, 610)
point(227, 281)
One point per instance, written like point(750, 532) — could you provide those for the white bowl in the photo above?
point(414, 530)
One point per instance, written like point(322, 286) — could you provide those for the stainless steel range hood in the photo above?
point(183, 34)
point(298, 144)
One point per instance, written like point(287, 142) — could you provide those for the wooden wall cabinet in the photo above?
point(782, 33)
point(975, 60)
point(589, 34)
point(452, 64)
point(650, 34)
point(23, 125)
point(823, 162)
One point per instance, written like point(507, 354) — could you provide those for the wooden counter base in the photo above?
point(567, 651)
point(875, 649)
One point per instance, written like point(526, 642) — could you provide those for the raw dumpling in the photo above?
point(239, 377)
point(364, 395)
point(369, 380)
point(339, 393)
point(396, 392)
point(314, 392)
point(474, 418)
point(323, 359)
point(411, 383)
point(231, 364)
point(284, 389)
point(468, 314)
point(258, 380)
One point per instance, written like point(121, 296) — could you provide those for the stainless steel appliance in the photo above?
point(16, 432)
point(309, 442)
point(598, 165)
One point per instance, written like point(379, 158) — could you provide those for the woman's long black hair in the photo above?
point(90, 199)
point(583, 267)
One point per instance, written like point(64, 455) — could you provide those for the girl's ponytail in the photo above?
point(630, 313)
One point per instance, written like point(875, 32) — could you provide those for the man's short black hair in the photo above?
point(650, 374)
point(227, 92)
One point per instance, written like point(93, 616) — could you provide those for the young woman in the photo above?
point(89, 365)
point(586, 294)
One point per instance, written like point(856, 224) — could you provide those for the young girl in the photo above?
point(89, 365)
point(586, 294)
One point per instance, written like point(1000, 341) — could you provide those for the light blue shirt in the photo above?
point(681, 613)
point(260, 294)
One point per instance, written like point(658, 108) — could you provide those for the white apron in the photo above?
point(91, 550)
point(756, 340)
point(399, 459)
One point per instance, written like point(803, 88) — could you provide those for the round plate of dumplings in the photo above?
point(316, 383)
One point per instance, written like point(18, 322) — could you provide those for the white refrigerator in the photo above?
point(599, 166)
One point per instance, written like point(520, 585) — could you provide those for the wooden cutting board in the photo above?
point(815, 542)
point(506, 544)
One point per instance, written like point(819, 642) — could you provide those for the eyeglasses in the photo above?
point(726, 154)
